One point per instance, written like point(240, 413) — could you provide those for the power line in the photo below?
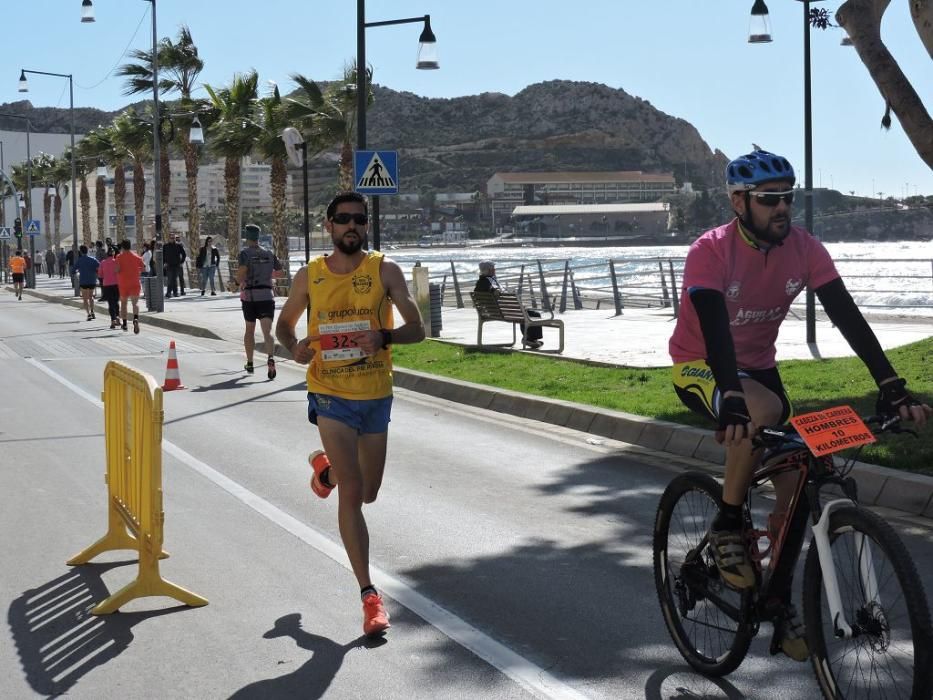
point(120, 58)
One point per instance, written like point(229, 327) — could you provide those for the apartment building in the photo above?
point(509, 190)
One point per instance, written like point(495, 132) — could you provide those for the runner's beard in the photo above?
point(350, 247)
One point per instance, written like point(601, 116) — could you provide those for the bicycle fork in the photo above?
point(841, 627)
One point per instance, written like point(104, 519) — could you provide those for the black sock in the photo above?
point(324, 478)
point(729, 518)
point(366, 590)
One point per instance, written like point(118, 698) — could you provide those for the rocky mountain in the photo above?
point(457, 144)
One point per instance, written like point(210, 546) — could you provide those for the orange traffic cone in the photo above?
point(172, 377)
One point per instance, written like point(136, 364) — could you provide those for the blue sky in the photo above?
point(689, 58)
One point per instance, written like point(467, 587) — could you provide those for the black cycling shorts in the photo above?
point(254, 310)
point(697, 390)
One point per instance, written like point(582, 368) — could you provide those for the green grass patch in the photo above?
point(812, 385)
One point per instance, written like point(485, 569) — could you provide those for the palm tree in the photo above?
point(41, 167)
point(96, 146)
point(60, 180)
point(134, 136)
point(338, 119)
point(84, 196)
point(233, 136)
point(272, 119)
point(179, 67)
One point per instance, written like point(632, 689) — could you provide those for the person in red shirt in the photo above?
point(129, 267)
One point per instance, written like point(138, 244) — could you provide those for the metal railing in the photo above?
point(620, 283)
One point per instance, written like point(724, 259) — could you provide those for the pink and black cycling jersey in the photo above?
point(758, 287)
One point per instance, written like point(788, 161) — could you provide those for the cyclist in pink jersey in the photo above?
point(739, 282)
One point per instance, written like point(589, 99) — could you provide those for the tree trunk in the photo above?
point(194, 214)
point(232, 194)
point(165, 188)
point(100, 195)
point(47, 214)
point(862, 20)
point(85, 212)
point(119, 199)
point(279, 181)
point(922, 13)
point(346, 168)
point(139, 201)
point(57, 220)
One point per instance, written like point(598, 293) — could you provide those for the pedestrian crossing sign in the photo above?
point(375, 172)
point(6, 233)
point(32, 227)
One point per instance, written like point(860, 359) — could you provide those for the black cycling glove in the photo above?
point(733, 411)
point(892, 396)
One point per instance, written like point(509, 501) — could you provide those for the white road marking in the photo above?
point(532, 678)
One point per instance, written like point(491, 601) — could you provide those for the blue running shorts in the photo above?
point(368, 416)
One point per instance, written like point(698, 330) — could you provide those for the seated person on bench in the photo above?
point(487, 282)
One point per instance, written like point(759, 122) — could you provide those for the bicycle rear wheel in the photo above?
point(708, 621)
point(889, 654)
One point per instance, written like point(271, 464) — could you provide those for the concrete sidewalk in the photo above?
point(637, 338)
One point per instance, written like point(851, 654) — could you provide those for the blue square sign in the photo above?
point(375, 172)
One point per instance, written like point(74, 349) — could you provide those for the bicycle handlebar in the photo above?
point(777, 435)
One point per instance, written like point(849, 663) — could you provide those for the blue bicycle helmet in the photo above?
point(755, 168)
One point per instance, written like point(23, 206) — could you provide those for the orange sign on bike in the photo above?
point(832, 430)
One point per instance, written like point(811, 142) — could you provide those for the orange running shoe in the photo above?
point(375, 617)
point(319, 462)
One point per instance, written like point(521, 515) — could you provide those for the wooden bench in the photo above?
point(508, 308)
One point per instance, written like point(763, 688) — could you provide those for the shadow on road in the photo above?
point(58, 640)
point(683, 683)
point(315, 676)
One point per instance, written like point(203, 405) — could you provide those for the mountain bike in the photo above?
point(864, 608)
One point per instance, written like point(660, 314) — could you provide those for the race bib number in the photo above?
point(338, 340)
point(832, 430)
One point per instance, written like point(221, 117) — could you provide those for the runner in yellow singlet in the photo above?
point(350, 293)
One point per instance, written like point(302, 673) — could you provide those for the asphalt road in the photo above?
point(515, 556)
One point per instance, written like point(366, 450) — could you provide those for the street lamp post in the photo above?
point(760, 32)
point(155, 300)
point(24, 87)
point(427, 60)
point(292, 139)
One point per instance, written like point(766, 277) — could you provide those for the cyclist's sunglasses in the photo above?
point(343, 218)
point(771, 199)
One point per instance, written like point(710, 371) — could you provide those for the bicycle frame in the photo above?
point(812, 474)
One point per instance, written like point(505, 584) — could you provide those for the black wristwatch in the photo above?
point(386, 338)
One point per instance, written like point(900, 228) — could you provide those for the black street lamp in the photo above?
point(24, 87)
point(427, 60)
point(28, 197)
point(293, 138)
point(154, 301)
point(760, 32)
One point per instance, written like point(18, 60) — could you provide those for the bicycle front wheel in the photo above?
point(889, 653)
point(708, 621)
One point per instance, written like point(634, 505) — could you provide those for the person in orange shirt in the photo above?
point(129, 267)
point(18, 268)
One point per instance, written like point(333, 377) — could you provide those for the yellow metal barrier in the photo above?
point(133, 432)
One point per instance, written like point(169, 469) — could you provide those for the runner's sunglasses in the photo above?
point(343, 218)
point(771, 199)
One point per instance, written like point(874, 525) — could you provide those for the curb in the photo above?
point(877, 485)
point(159, 321)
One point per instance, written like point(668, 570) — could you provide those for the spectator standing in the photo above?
point(110, 286)
point(147, 260)
point(70, 259)
point(207, 261)
point(173, 257)
point(50, 262)
point(86, 267)
point(62, 258)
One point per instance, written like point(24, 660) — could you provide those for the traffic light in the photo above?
point(18, 228)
